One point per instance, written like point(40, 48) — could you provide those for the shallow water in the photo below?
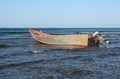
point(22, 58)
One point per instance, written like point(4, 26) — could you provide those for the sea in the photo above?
point(22, 58)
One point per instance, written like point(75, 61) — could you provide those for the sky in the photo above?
point(60, 13)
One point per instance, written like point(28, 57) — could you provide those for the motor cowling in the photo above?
point(95, 34)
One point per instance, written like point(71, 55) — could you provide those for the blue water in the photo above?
point(63, 30)
point(22, 58)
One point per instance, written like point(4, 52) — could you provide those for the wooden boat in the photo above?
point(75, 40)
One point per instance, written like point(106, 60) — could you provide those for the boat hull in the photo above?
point(76, 40)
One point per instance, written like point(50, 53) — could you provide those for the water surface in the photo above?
point(22, 58)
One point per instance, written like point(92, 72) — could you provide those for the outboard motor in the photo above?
point(95, 39)
point(97, 36)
